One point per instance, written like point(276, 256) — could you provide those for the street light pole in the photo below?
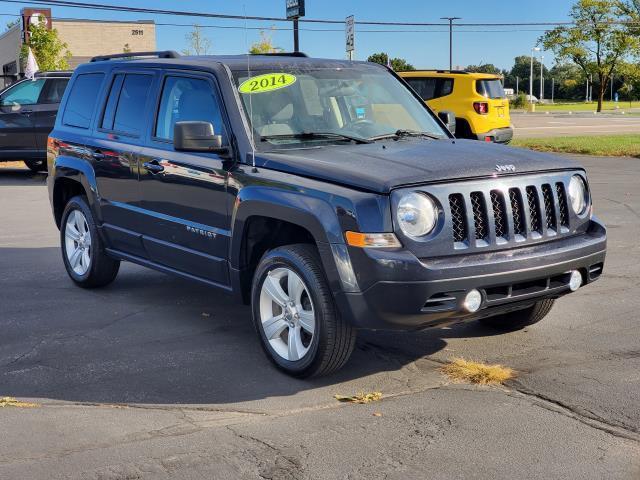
point(541, 77)
point(553, 88)
point(451, 19)
point(534, 49)
point(517, 89)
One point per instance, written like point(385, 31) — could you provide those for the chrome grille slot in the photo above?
point(562, 204)
point(535, 222)
point(499, 214)
point(549, 207)
point(479, 215)
point(517, 212)
point(459, 223)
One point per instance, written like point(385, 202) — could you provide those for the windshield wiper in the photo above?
point(406, 133)
point(312, 135)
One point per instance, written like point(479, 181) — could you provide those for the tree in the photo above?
point(484, 68)
point(12, 24)
point(197, 43)
point(397, 64)
point(51, 53)
point(597, 42)
point(264, 45)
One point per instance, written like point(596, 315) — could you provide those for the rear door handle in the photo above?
point(98, 155)
point(153, 166)
point(26, 112)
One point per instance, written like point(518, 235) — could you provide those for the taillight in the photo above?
point(52, 145)
point(481, 107)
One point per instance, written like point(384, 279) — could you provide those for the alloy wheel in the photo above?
point(77, 242)
point(287, 315)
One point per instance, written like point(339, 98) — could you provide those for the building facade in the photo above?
point(84, 39)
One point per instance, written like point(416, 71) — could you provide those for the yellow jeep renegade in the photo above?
point(477, 99)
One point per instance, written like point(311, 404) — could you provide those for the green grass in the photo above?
point(605, 145)
point(560, 106)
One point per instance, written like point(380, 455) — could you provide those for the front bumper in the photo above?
point(497, 135)
point(413, 293)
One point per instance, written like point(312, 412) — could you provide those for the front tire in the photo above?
point(82, 250)
point(36, 165)
point(299, 326)
point(520, 319)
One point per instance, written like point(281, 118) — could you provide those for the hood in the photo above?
point(382, 166)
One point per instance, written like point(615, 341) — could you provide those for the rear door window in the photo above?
point(125, 108)
point(430, 88)
point(82, 100)
point(490, 88)
point(53, 90)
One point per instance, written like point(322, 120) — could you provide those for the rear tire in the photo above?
point(36, 165)
point(82, 250)
point(299, 326)
point(520, 319)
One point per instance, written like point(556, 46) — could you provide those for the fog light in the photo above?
point(472, 301)
point(575, 282)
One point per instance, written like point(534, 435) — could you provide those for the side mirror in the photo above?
point(197, 137)
point(449, 119)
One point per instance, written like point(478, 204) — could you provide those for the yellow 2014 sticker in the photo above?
point(267, 82)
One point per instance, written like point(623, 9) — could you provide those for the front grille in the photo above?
point(549, 209)
point(479, 215)
point(459, 223)
point(515, 213)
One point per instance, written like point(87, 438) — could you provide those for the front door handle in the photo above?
point(26, 112)
point(153, 166)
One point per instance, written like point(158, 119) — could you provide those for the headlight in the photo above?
point(417, 214)
point(578, 194)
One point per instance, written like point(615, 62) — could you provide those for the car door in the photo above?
point(114, 149)
point(186, 225)
point(17, 105)
point(44, 113)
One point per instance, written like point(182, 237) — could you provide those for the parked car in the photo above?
point(324, 193)
point(477, 99)
point(28, 111)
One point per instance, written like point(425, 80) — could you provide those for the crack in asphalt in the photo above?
point(581, 414)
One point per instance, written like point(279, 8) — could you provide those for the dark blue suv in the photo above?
point(324, 193)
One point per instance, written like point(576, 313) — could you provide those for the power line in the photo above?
point(154, 11)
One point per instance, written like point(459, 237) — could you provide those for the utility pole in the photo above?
point(451, 19)
point(586, 98)
point(553, 88)
point(611, 87)
point(296, 39)
point(517, 89)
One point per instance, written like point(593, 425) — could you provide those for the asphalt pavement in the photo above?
point(155, 377)
point(562, 124)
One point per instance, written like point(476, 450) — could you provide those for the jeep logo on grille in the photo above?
point(505, 168)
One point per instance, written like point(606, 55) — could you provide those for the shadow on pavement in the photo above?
point(151, 338)
point(21, 177)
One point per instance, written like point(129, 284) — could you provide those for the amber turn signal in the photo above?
point(372, 240)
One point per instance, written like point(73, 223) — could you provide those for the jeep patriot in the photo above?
point(324, 193)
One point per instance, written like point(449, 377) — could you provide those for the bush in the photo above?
point(520, 101)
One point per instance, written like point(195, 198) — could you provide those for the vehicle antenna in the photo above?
point(253, 139)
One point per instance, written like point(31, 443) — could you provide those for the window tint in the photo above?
point(187, 99)
point(430, 88)
point(426, 87)
point(25, 93)
point(82, 100)
point(53, 90)
point(490, 88)
point(130, 107)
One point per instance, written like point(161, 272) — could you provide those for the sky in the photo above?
point(428, 48)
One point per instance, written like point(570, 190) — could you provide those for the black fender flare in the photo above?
point(80, 171)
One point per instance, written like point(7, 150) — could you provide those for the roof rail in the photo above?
point(159, 54)
point(284, 54)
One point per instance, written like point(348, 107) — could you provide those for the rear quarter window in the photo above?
point(82, 100)
point(430, 88)
point(490, 88)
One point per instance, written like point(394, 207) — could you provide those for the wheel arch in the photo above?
point(73, 177)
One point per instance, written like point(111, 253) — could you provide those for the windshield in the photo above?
point(288, 106)
point(490, 88)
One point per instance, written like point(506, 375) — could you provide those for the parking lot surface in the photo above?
point(527, 125)
point(155, 377)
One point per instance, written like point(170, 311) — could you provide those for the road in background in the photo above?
point(528, 125)
point(155, 377)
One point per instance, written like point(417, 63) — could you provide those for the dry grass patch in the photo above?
point(461, 370)
point(359, 398)
point(12, 402)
